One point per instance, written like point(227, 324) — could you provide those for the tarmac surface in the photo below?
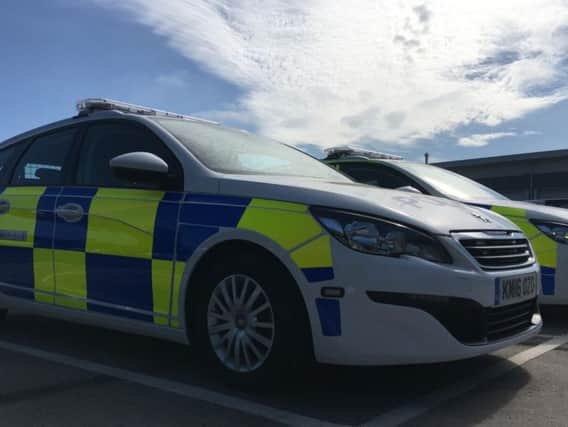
point(54, 373)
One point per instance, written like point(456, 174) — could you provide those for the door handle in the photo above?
point(4, 206)
point(70, 212)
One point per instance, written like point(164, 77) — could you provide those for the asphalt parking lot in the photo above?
point(54, 373)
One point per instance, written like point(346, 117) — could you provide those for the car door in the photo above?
point(114, 241)
point(27, 216)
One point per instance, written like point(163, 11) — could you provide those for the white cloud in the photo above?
point(531, 132)
point(331, 72)
point(482, 139)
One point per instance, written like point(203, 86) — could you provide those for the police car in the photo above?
point(547, 227)
point(260, 256)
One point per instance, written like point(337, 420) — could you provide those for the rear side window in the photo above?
point(43, 163)
point(104, 141)
point(7, 158)
point(376, 175)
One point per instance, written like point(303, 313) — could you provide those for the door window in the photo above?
point(105, 141)
point(44, 162)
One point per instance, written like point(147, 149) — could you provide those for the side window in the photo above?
point(365, 174)
point(377, 175)
point(7, 158)
point(44, 162)
point(389, 178)
point(104, 141)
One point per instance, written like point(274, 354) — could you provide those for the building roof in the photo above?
point(539, 155)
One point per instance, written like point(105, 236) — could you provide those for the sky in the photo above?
point(458, 79)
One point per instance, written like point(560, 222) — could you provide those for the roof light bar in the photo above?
point(344, 151)
point(91, 105)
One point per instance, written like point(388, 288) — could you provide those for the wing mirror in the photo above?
point(140, 168)
point(409, 189)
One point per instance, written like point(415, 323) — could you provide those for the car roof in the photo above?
point(82, 118)
point(92, 109)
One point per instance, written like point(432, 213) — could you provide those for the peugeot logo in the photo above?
point(481, 217)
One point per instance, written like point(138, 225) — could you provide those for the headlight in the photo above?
point(555, 230)
point(380, 237)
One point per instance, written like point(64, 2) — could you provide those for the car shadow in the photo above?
point(346, 395)
point(353, 395)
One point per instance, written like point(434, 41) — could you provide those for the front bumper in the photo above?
point(468, 321)
point(383, 332)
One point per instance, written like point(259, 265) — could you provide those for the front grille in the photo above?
point(467, 320)
point(509, 320)
point(499, 253)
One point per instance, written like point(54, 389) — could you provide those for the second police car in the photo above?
point(546, 226)
point(257, 254)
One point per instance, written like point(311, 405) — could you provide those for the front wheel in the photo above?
point(250, 322)
point(241, 323)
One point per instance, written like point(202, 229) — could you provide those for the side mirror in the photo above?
point(140, 168)
point(409, 189)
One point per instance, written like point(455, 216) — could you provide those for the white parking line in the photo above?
point(178, 388)
point(425, 404)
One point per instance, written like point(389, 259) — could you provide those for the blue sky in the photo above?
point(456, 82)
point(55, 53)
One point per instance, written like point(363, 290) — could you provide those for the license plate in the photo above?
point(513, 289)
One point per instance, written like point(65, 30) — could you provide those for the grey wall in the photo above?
point(519, 179)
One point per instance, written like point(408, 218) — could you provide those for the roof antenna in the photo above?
point(426, 158)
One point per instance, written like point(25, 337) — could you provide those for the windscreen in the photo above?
point(237, 152)
point(451, 184)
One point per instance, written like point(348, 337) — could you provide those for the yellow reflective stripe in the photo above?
point(546, 251)
point(123, 226)
point(43, 298)
point(315, 254)
point(23, 191)
point(22, 214)
point(43, 275)
point(545, 248)
point(519, 217)
point(287, 224)
point(161, 285)
point(178, 275)
point(71, 279)
point(506, 211)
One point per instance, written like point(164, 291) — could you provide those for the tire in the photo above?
point(283, 350)
point(3, 314)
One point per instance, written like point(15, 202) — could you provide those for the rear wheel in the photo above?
point(249, 321)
